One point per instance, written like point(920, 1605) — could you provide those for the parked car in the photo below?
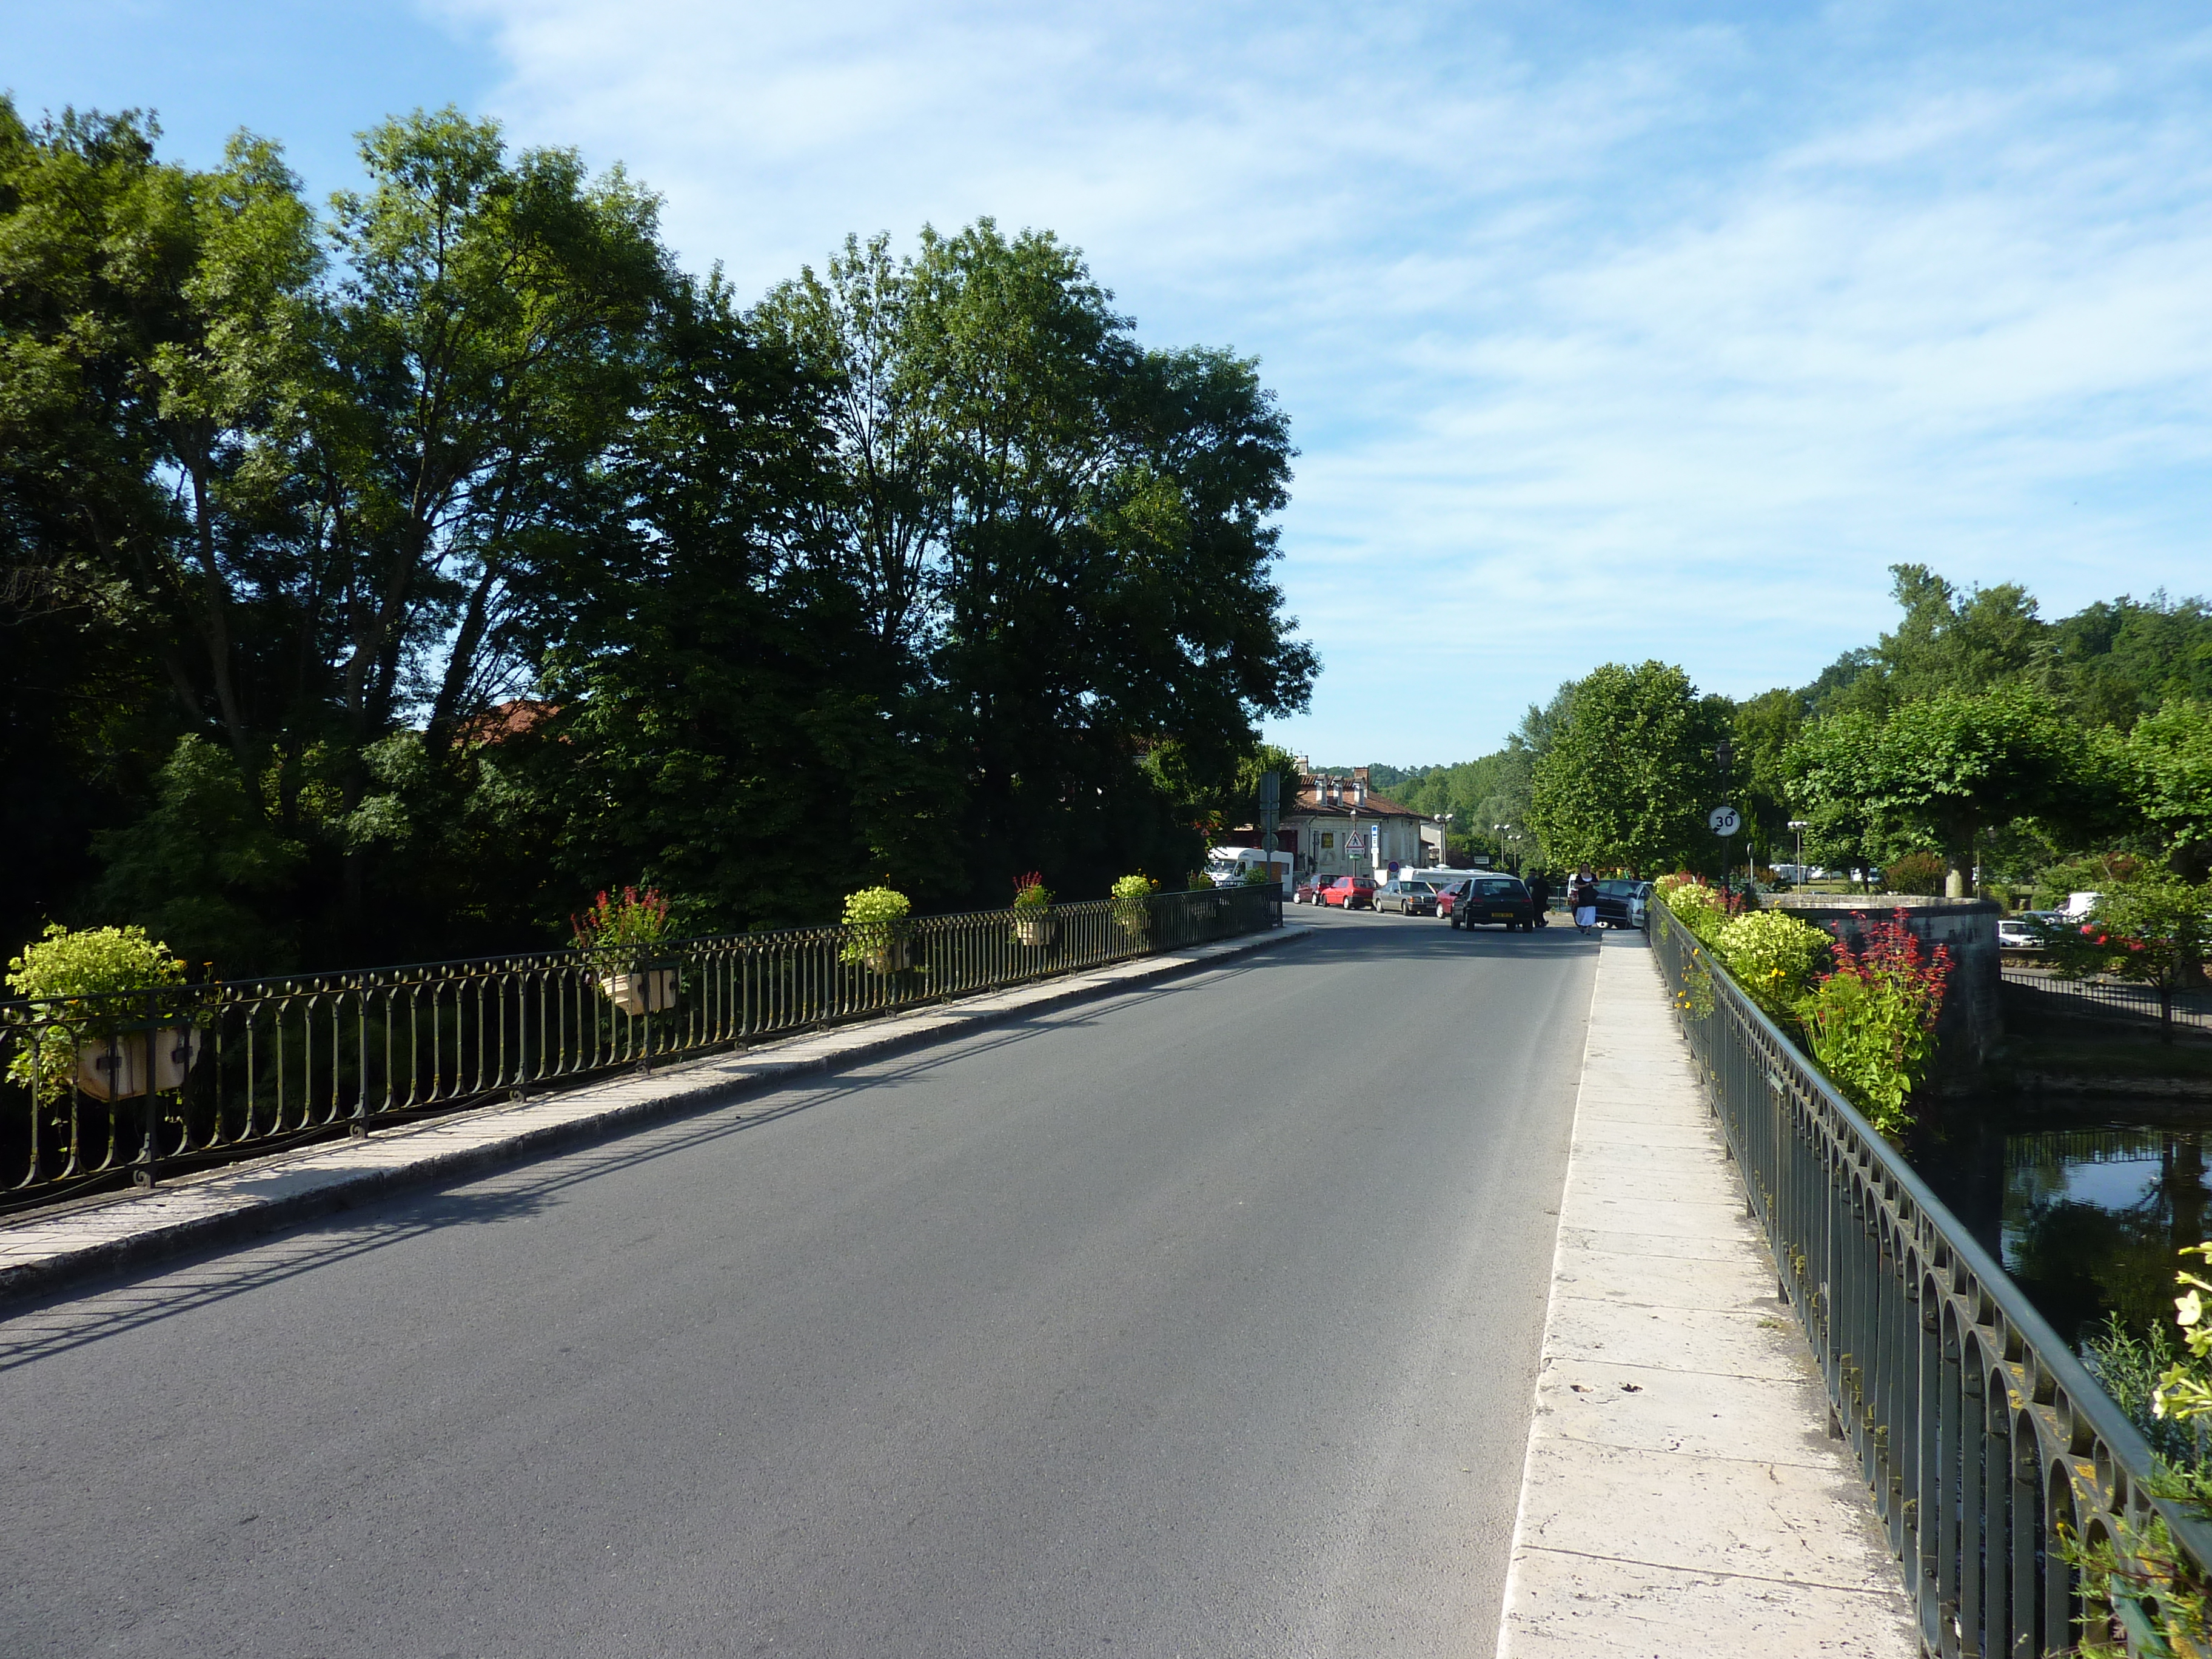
point(1490, 900)
point(1450, 894)
point(1308, 891)
point(1623, 904)
point(2017, 934)
point(1408, 898)
point(1349, 893)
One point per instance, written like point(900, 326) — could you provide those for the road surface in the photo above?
point(1198, 1321)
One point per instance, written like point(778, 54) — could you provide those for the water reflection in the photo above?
point(2085, 1209)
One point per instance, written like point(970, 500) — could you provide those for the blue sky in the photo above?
point(1607, 332)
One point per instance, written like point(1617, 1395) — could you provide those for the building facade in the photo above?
point(1333, 825)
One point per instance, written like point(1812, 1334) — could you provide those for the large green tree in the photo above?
point(1939, 771)
point(2163, 767)
point(1062, 540)
point(1629, 778)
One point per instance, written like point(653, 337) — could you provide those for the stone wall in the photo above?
point(1974, 1016)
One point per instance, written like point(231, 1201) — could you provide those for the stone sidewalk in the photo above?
point(49, 1250)
point(1681, 1495)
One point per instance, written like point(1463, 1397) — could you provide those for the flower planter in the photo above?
point(1037, 931)
point(119, 1070)
point(888, 958)
point(647, 991)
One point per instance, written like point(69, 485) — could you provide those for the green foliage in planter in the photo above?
point(1132, 897)
point(1031, 895)
point(1872, 1022)
point(1773, 956)
point(874, 918)
point(97, 964)
point(1703, 910)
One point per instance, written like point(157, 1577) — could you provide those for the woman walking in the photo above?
point(1583, 896)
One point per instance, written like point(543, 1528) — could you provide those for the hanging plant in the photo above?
point(1033, 923)
point(875, 929)
point(618, 934)
point(93, 1030)
point(1132, 902)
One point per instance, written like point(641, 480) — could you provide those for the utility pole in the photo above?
point(1271, 808)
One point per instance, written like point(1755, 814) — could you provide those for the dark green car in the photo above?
point(1495, 900)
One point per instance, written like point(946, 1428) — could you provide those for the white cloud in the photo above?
point(1602, 339)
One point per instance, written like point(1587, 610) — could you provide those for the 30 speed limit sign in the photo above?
point(1725, 820)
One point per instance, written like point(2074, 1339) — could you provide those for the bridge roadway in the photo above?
point(1200, 1321)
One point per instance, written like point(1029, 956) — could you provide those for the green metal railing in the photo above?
point(98, 1092)
point(1983, 1438)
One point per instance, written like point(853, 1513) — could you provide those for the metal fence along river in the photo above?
point(103, 1092)
point(1983, 1438)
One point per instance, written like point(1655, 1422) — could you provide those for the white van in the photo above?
point(1227, 866)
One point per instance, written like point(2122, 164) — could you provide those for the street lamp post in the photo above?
point(1444, 851)
point(1801, 825)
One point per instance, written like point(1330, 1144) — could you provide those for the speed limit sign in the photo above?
point(1725, 820)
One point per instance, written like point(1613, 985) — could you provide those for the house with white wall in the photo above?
point(1334, 824)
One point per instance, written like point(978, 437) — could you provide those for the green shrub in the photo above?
point(1916, 872)
point(1030, 893)
point(1773, 956)
point(1703, 910)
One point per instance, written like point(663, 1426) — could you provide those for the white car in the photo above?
point(2015, 934)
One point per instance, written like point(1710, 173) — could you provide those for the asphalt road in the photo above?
point(1201, 1320)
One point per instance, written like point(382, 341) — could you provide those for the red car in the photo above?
point(1448, 896)
point(1349, 893)
point(1308, 891)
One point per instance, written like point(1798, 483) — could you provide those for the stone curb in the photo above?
point(50, 1251)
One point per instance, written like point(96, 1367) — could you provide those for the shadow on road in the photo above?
point(136, 1298)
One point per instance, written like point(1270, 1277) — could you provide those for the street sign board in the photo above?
point(1725, 820)
point(1271, 791)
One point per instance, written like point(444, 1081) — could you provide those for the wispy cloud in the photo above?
point(1605, 335)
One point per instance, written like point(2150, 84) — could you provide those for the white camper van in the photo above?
point(1227, 866)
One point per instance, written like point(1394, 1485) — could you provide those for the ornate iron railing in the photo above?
point(1983, 1439)
point(96, 1092)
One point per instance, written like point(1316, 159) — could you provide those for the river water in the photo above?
point(2084, 1199)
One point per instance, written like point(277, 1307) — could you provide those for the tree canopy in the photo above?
point(1627, 779)
point(382, 580)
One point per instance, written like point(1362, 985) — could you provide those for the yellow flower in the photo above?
point(2188, 1310)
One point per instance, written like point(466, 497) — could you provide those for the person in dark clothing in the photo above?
point(1540, 896)
point(1583, 896)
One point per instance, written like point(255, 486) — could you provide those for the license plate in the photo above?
point(1501, 915)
